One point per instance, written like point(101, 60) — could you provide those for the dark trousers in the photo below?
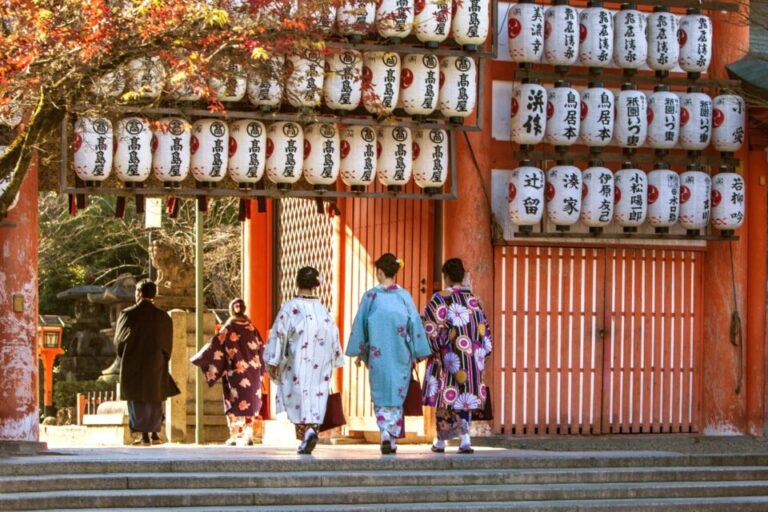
point(145, 416)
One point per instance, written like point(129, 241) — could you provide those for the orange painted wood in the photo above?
point(498, 321)
point(678, 341)
point(638, 316)
point(522, 282)
point(600, 308)
point(646, 376)
point(698, 346)
point(565, 334)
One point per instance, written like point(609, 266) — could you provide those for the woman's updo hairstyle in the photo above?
point(454, 269)
point(308, 278)
point(388, 263)
point(237, 307)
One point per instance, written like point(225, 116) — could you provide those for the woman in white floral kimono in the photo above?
point(302, 351)
point(461, 341)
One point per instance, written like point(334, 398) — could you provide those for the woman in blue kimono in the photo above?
point(388, 336)
point(460, 336)
point(235, 355)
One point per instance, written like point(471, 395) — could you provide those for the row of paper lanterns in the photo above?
point(246, 150)
point(431, 21)
point(630, 119)
point(562, 36)
point(380, 81)
point(629, 197)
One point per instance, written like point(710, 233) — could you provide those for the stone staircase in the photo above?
point(356, 478)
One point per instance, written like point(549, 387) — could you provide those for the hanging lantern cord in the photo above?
point(735, 328)
point(497, 230)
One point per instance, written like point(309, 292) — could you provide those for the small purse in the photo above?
point(412, 405)
point(334, 413)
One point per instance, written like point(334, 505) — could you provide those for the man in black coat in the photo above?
point(144, 339)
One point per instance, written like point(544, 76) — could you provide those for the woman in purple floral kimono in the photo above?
point(461, 341)
point(235, 355)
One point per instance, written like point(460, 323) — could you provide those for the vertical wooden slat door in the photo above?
point(652, 341)
point(548, 347)
point(373, 227)
point(596, 340)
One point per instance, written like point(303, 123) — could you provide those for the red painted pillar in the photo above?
point(467, 220)
point(724, 410)
point(257, 276)
point(757, 210)
point(19, 408)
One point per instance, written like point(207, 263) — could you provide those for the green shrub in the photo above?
point(64, 393)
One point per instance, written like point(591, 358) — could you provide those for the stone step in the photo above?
point(380, 494)
point(293, 479)
point(327, 458)
point(730, 504)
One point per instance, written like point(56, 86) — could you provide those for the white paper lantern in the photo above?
point(247, 151)
point(394, 19)
point(358, 157)
point(285, 153)
point(395, 160)
point(728, 120)
point(355, 18)
point(266, 83)
point(728, 206)
point(419, 84)
point(695, 39)
point(631, 127)
point(597, 116)
point(171, 142)
point(528, 121)
point(92, 146)
point(145, 76)
point(525, 196)
point(342, 88)
point(229, 82)
point(663, 118)
point(430, 158)
point(695, 119)
point(179, 86)
point(132, 160)
point(561, 39)
point(630, 198)
point(695, 198)
point(663, 198)
point(563, 114)
point(109, 85)
point(563, 194)
point(595, 35)
point(210, 150)
point(6, 182)
point(381, 81)
point(630, 46)
point(525, 28)
point(597, 197)
point(432, 21)
point(321, 154)
point(304, 85)
point(471, 22)
point(458, 88)
point(663, 48)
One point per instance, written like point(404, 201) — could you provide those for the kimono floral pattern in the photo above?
point(304, 346)
point(234, 355)
point(460, 338)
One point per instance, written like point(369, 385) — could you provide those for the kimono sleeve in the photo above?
point(278, 337)
point(337, 358)
point(420, 347)
point(211, 358)
point(359, 344)
point(434, 326)
point(484, 332)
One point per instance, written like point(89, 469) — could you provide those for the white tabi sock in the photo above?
point(308, 433)
point(385, 437)
point(439, 443)
point(465, 442)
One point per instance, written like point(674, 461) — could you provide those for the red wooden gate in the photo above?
point(596, 340)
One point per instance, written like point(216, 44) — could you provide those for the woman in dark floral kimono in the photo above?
point(461, 341)
point(235, 355)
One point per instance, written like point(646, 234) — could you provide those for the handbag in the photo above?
point(412, 405)
point(486, 413)
point(334, 413)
